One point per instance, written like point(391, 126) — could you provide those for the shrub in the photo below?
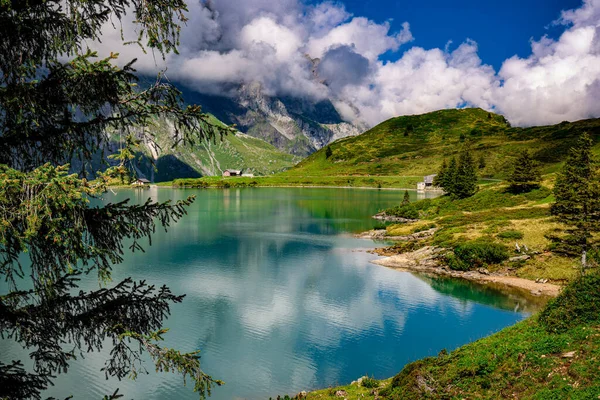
point(328, 152)
point(456, 263)
point(369, 382)
point(422, 228)
point(510, 235)
point(408, 374)
point(538, 194)
point(579, 303)
point(422, 204)
point(407, 211)
point(473, 255)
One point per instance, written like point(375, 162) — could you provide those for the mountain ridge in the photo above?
point(295, 125)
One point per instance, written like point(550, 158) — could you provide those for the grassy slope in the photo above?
point(489, 216)
point(399, 152)
point(523, 362)
point(385, 150)
point(553, 355)
point(237, 151)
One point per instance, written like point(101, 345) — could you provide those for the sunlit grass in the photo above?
point(549, 266)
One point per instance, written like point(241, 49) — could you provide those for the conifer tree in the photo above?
point(58, 101)
point(482, 163)
point(525, 174)
point(406, 199)
point(328, 152)
point(458, 179)
point(577, 193)
point(440, 178)
point(448, 180)
point(465, 180)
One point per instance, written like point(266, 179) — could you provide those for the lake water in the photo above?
point(281, 298)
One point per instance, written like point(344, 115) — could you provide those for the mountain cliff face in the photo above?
point(295, 126)
point(159, 160)
point(208, 158)
point(274, 133)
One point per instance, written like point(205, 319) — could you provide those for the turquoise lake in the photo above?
point(282, 298)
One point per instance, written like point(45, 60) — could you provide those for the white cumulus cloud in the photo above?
point(227, 43)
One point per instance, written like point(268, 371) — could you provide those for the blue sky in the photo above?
point(500, 28)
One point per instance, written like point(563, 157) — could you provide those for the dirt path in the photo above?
point(427, 260)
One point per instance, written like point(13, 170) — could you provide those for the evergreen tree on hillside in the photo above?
point(406, 199)
point(58, 101)
point(465, 180)
point(439, 179)
point(525, 174)
point(328, 152)
point(458, 179)
point(577, 193)
point(481, 163)
point(446, 177)
point(450, 178)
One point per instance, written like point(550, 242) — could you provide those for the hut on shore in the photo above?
point(232, 172)
point(141, 182)
point(427, 183)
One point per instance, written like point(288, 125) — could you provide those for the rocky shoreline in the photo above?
point(381, 234)
point(382, 216)
point(428, 260)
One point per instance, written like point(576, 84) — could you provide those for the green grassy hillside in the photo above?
point(552, 355)
point(416, 145)
point(208, 158)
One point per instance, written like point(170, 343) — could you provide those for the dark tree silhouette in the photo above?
point(577, 193)
point(458, 179)
point(59, 101)
point(525, 175)
point(406, 198)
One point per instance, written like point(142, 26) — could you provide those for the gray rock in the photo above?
point(519, 258)
point(382, 216)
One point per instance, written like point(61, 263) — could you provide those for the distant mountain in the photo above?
point(159, 161)
point(209, 158)
point(293, 125)
point(416, 145)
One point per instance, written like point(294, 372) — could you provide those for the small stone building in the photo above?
point(428, 180)
point(232, 172)
point(427, 183)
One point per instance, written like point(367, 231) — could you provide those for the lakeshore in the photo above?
point(426, 260)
